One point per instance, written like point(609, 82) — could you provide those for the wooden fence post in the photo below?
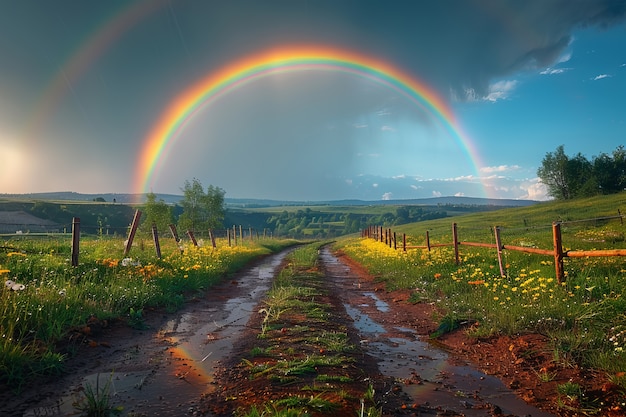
point(455, 242)
point(212, 236)
point(155, 238)
point(241, 234)
point(133, 230)
point(174, 233)
point(228, 235)
point(496, 231)
point(395, 243)
point(558, 252)
point(235, 234)
point(428, 240)
point(75, 240)
point(404, 242)
point(192, 237)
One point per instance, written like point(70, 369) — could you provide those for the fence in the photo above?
point(388, 237)
point(235, 235)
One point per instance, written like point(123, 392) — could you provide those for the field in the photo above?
point(582, 320)
point(583, 317)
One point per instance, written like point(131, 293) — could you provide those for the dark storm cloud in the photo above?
point(452, 44)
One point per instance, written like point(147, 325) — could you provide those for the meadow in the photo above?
point(584, 316)
point(44, 299)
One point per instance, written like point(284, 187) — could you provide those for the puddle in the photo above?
point(169, 378)
point(428, 376)
point(380, 304)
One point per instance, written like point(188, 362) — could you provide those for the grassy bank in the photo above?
point(584, 316)
point(44, 298)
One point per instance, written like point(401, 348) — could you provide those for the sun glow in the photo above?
point(12, 166)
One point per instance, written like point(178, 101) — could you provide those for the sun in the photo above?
point(12, 166)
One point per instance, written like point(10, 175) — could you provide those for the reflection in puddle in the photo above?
point(363, 322)
point(425, 372)
point(170, 379)
point(380, 304)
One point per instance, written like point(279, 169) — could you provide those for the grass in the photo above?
point(311, 357)
point(58, 298)
point(583, 316)
point(97, 400)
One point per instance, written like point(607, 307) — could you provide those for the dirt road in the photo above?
point(169, 368)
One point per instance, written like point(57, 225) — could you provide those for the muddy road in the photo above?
point(169, 368)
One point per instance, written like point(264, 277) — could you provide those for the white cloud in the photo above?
point(387, 129)
point(375, 185)
point(459, 194)
point(359, 126)
point(553, 71)
point(500, 90)
point(387, 196)
point(497, 91)
point(601, 76)
point(499, 168)
point(437, 194)
point(535, 190)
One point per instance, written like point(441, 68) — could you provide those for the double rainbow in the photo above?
point(275, 61)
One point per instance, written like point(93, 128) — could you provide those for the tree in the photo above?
point(157, 212)
point(580, 177)
point(610, 171)
point(553, 173)
point(201, 210)
point(214, 204)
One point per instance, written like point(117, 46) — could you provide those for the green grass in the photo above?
point(584, 316)
point(58, 297)
point(311, 357)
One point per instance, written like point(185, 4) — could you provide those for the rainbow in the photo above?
point(275, 61)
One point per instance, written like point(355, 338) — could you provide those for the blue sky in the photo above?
point(82, 83)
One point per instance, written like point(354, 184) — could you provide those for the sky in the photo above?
point(420, 99)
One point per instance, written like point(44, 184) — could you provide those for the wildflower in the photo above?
point(14, 285)
point(437, 275)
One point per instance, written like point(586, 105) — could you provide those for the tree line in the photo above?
point(199, 210)
point(568, 177)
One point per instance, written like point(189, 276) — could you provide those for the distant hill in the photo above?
point(14, 221)
point(259, 203)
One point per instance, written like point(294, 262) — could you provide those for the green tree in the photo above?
point(553, 173)
point(214, 205)
point(201, 210)
point(580, 177)
point(157, 212)
point(610, 171)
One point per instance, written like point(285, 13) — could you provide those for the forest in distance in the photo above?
point(101, 215)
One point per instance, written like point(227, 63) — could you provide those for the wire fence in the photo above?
point(578, 230)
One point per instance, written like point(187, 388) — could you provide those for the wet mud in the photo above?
point(162, 370)
point(428, 375)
